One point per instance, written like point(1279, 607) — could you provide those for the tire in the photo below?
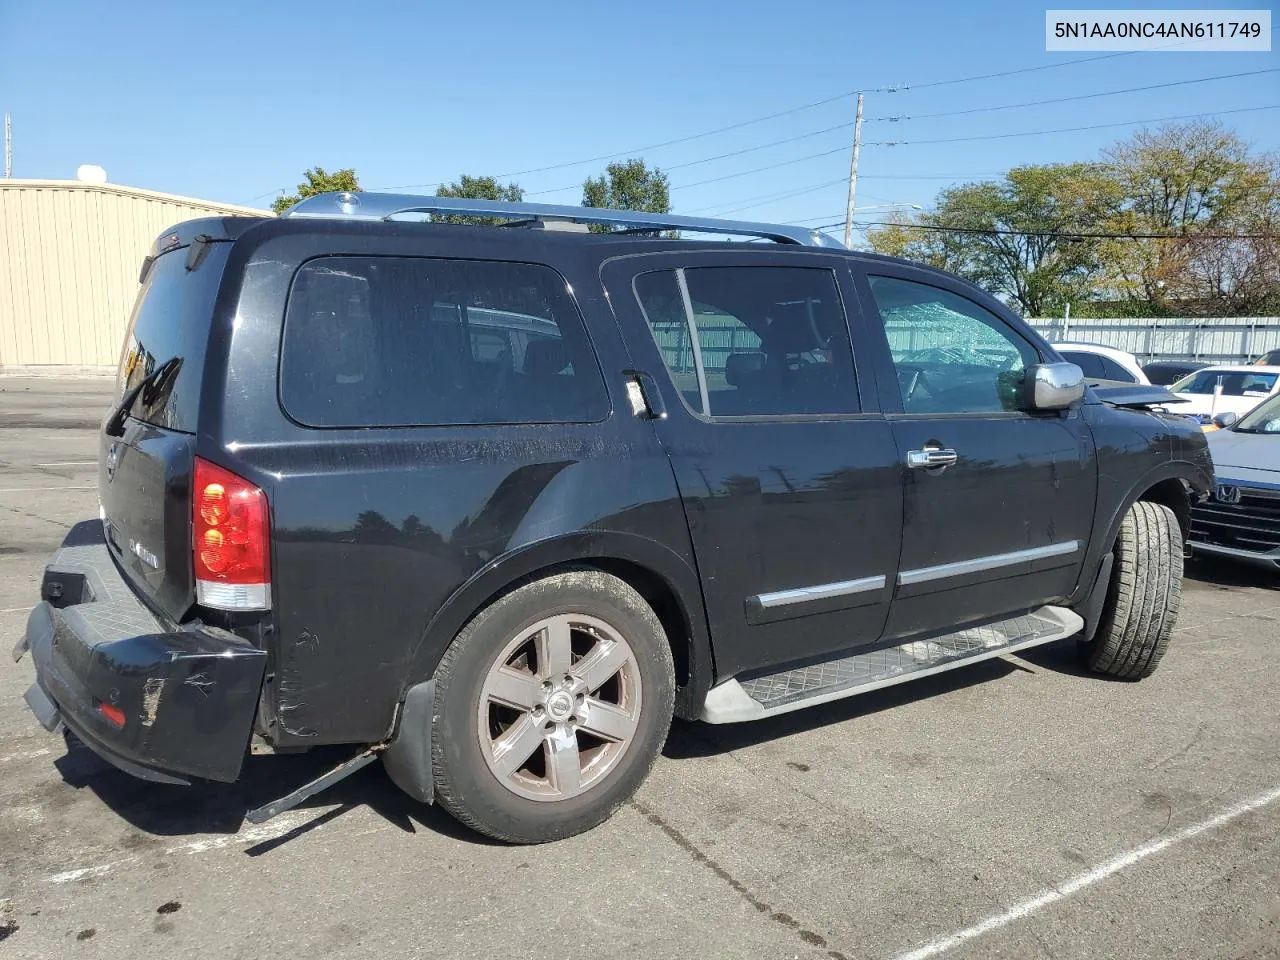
point(1141, 608)
point(527, 672)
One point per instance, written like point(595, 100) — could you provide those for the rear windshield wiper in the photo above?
point(155, 380)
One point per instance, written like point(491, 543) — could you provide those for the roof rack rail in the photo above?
point(384, 206)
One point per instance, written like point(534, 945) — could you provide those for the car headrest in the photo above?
point(742, 366)
point(545, 357)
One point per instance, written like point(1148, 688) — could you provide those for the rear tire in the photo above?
point(1142, 602)
point(551, 706)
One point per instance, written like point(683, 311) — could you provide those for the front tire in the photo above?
point(1142, 602)
point(551, 706)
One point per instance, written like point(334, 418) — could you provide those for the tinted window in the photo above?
point(396, 341)
point(951, 355)
point(1265, 418)
point(170, 325)
point(1090, 363)
point(1113, 371)
point(1163, 374)
point(752, 341)
point(1233, 384)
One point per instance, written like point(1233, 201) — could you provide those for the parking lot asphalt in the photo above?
point(1014, 808)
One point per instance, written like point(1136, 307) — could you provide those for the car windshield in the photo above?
point(1265, 418)
point(1235, 383)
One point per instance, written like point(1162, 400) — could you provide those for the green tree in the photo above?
point(319, 180)
point(1199, 181)
point(1017, 237)
point(478, 188)
point(628, 186)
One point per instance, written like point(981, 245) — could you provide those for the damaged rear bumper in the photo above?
point(187, 693)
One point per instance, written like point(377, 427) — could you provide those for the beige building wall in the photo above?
point(70, 253)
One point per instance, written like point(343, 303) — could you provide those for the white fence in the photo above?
point(1216, 339)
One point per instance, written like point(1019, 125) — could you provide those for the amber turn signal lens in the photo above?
point(213, 504)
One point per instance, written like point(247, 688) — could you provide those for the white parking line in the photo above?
point(248, 837)
point(69, 463)
point(1077, 883)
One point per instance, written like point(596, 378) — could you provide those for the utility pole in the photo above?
point(8, 145)
point(853, 177)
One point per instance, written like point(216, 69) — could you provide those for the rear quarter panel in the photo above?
point(386, 540)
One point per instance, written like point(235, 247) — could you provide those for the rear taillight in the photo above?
point(230, 540)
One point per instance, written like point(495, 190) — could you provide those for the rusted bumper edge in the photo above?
point(161, 702)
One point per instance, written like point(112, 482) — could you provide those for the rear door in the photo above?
point(147, 445)
point(998, 502)
point(787, 471)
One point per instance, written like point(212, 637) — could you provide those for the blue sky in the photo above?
point(229, 101)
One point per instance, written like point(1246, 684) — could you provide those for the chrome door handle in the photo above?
point(931, 456)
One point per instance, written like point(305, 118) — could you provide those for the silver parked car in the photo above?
point(1242, 518)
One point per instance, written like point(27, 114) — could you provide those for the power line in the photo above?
point(1056, 233)
point(746, 203)
point(1095, 126)
point(1003, 73)
point(771, 166)
point(776, 115)
point(931, 176)
point(1083, 96)
point(727, 176)
point(280, 190)
point(846, 126)
point(762, 146)
point(1045, 66)
point(665, 143)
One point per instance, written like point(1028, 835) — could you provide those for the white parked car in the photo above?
point(1103, 363)
point(1225, 389)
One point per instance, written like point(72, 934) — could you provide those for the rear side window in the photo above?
point(752, 341)
point(1090, 364)
point(1113, 371)
point(168, 335)
point(411, 341)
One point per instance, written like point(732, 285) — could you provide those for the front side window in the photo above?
point(1265, 418)
point(1234, 383)
point(950, 355)
point(405, 341)
point(752, 341)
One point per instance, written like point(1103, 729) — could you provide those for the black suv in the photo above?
point(493, 502)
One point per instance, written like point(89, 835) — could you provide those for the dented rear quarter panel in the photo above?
point(386, 540)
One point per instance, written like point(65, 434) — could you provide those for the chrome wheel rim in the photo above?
point(559, 707)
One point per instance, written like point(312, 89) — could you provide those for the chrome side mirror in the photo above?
point(1225, 420)
point(1053, 386)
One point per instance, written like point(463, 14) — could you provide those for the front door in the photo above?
point(998, 501)
point(787, 471)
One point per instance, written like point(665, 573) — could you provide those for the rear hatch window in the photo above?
point(147, 449)
point(168, 333)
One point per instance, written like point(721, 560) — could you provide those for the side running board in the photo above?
point(737, 700)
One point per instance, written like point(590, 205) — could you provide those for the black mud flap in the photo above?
point(408, 757)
